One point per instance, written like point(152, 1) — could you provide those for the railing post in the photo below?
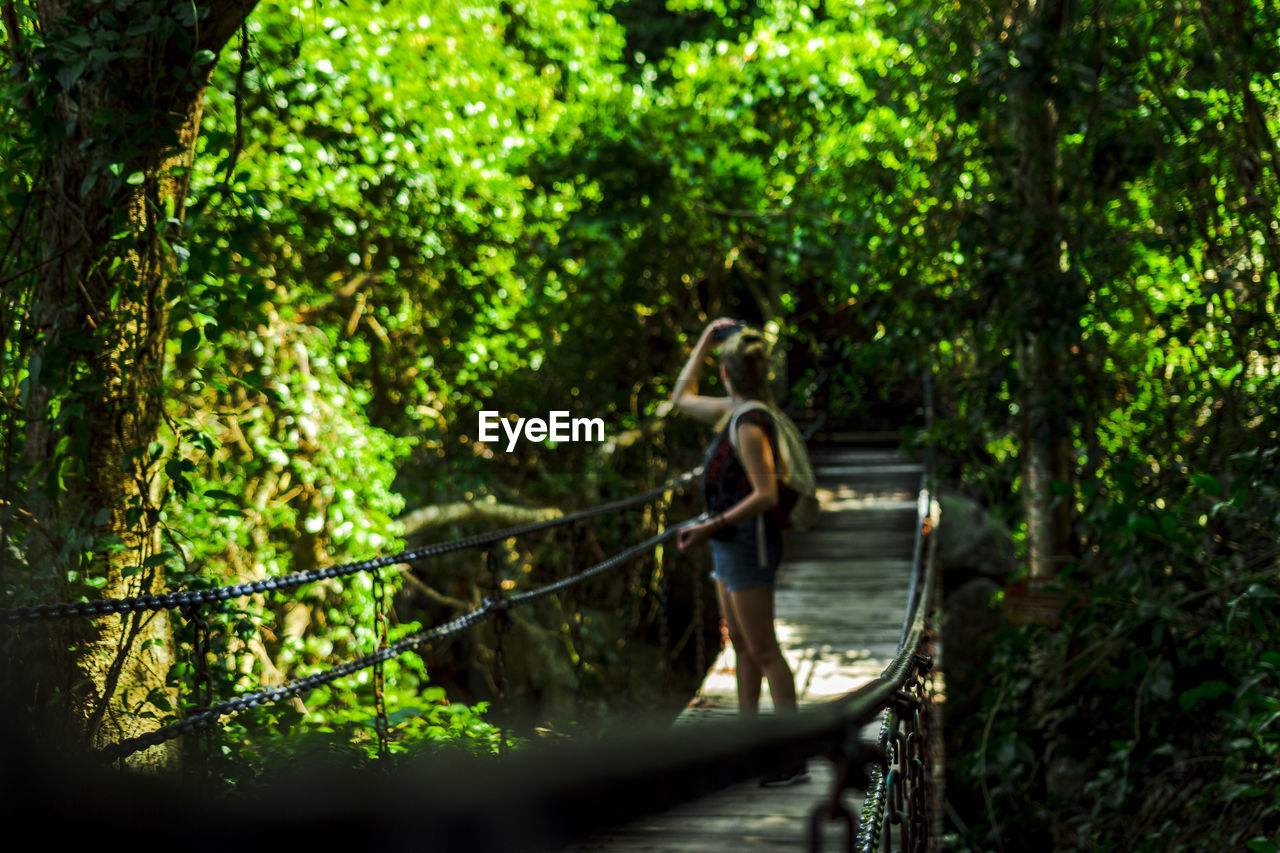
point(664, 621)
point(501, 622)
point(574, 616)
point(381, 723)
point(699, 618)
point(629, 624)
point(202, 682)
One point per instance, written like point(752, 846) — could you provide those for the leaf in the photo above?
point(1208, 690)
point(70, 73)
point(1207, 483)
point(1145, 524)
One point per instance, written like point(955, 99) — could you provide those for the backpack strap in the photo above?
point(762, 539)
point(749, 406)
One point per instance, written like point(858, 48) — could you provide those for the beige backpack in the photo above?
point(798, 492)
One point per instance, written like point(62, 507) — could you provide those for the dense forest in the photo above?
point(264, 265)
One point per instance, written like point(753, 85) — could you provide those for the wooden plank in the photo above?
point(862, 437)
point(834, 544)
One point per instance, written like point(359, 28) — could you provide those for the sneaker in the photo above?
point(792, 775)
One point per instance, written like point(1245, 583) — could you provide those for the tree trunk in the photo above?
point(113, 198)
point(1049, 321)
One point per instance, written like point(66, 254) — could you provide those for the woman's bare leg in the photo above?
point(746, 671)
point(753, 608)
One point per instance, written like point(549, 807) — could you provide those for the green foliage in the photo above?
point(402, 213)
point(1148, 720)
point(1085, 198)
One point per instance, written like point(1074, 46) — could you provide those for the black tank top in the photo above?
point(724, 477)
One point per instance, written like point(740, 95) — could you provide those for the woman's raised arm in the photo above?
point(685, 397)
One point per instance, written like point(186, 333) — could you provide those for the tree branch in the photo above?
point(461, 512)
point(238, 142)
point(770, 214)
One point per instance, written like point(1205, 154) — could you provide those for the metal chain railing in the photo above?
point(206, 713)
point(493, 606)
point(895, 811)
point(899, 796)
point(292, 688)
point(630, 623)
point(191, 601)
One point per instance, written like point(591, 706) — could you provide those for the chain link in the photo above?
point(608, 565)
point(900, 795)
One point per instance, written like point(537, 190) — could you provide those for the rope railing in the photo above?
point(185, 600)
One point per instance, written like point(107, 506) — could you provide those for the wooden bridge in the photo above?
point(853, 599)
point(841, 597)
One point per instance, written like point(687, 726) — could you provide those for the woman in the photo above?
point(741, 490)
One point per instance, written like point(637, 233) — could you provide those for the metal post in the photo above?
point(574, 617)
point(202, 682)
point(501, 622)
point(381, 722)
point(628, 632)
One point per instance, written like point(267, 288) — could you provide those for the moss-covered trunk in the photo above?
point(121, 127)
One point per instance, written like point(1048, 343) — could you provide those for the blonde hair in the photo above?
point(745, 358)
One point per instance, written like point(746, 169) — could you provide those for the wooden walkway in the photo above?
point(841, 600)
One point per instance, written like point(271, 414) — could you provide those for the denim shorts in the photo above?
point(736, 559)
